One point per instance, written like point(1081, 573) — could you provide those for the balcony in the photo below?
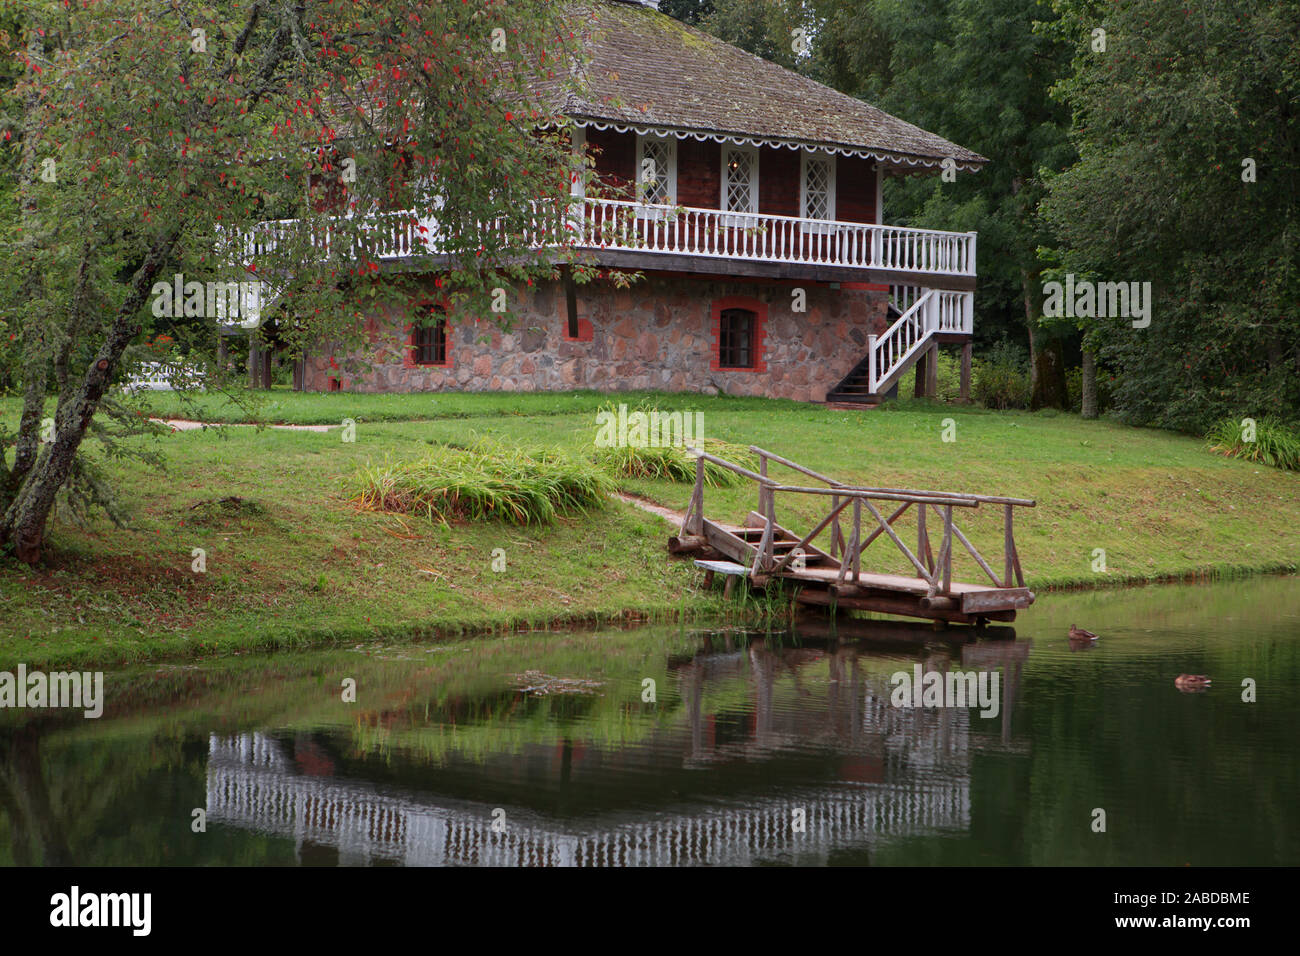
point(634, 235)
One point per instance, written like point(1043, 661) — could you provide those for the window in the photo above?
point(429, 342)
point(656, 170)
point(817, 187)
point(736, 338)
point(739, 179)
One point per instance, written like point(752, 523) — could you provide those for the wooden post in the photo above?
point(932, 373)
point(923, 539)
point(763, 493)
point(695, 514)
point(871, 364)
point(1009, 544)
point(857, 537)
point(946, 556)
point(837, 538)
point(965, 372)
point(253, 376)
point(266, 368)
point(922, 375)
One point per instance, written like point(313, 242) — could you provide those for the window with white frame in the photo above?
point(656, 170)
point(817, 186)
point(739, 179)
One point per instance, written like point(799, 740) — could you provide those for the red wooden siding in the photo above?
point(778, 181)
point(699, 174)
point(615, 154)
point(855, 190)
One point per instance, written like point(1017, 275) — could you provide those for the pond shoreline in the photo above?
point(707, 611)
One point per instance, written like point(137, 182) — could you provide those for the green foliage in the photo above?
point(675, 463)
point(1001, 377)
point(483, 483)
point(1276, 443)
point(135, 156)
point(1164, 121)
point(688, 11)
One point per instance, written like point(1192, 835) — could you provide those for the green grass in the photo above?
point(283, 406)
point(295, 562)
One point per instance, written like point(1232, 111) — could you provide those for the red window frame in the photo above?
point(748, 304)
point(411, 352)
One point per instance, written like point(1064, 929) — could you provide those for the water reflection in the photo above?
point(885, 772)
point(553, 738)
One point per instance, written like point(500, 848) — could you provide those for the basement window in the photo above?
point(736, 338)
point(429, 341)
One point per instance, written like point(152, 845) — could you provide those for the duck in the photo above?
point(1078, 634)
point(1188, 682)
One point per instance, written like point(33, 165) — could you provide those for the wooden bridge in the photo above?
point(762, 549)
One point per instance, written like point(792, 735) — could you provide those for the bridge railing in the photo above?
point(935, 568)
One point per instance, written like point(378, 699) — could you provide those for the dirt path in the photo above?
point(676, 517)
point(185, 425)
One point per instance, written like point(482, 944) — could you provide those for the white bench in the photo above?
point(729, 568)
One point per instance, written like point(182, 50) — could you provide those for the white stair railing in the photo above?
point(932, 312)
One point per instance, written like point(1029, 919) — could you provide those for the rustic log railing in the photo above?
point(934, 568)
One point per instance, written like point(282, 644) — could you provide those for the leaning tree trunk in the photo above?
point(22, 528)
point(1089, 404)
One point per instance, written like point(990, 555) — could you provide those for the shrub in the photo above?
point(483, 483)
point(1001, 377)
point(949, 378)
point(1276, 443)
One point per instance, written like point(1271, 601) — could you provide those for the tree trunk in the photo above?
point(1089, 408)
point(965, 373)
point(1031, 325)
point(1049, 385)
point(23, 525)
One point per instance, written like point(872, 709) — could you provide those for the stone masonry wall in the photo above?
point(659, 334)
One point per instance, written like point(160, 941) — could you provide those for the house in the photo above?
point(757, 226)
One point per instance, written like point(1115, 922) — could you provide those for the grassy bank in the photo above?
point(294, 563)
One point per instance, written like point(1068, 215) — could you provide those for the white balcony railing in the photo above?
point(667, 230)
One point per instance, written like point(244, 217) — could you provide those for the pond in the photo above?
point(680, 745)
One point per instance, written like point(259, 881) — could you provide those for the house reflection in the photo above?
point(763, 731)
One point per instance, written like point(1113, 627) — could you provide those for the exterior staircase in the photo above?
point(919, 318)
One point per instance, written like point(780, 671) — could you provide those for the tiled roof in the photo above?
point(649, 71)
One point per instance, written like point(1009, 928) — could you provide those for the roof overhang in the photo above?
point(901, 162)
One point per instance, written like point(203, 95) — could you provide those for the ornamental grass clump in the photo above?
point(1267, 441)
point(675, 463)
point(486, 482)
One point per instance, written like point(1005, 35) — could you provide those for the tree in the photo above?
point(150, 140)
point(688, 11)
point(1189, 164)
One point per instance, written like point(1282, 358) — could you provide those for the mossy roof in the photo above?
point(648, 70)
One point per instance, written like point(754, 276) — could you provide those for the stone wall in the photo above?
point(660, 334)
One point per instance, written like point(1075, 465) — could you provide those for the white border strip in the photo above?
point(892, 159)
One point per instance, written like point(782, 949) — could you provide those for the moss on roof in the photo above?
point(648, 69)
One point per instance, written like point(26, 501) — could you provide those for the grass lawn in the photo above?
point(298, 564)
